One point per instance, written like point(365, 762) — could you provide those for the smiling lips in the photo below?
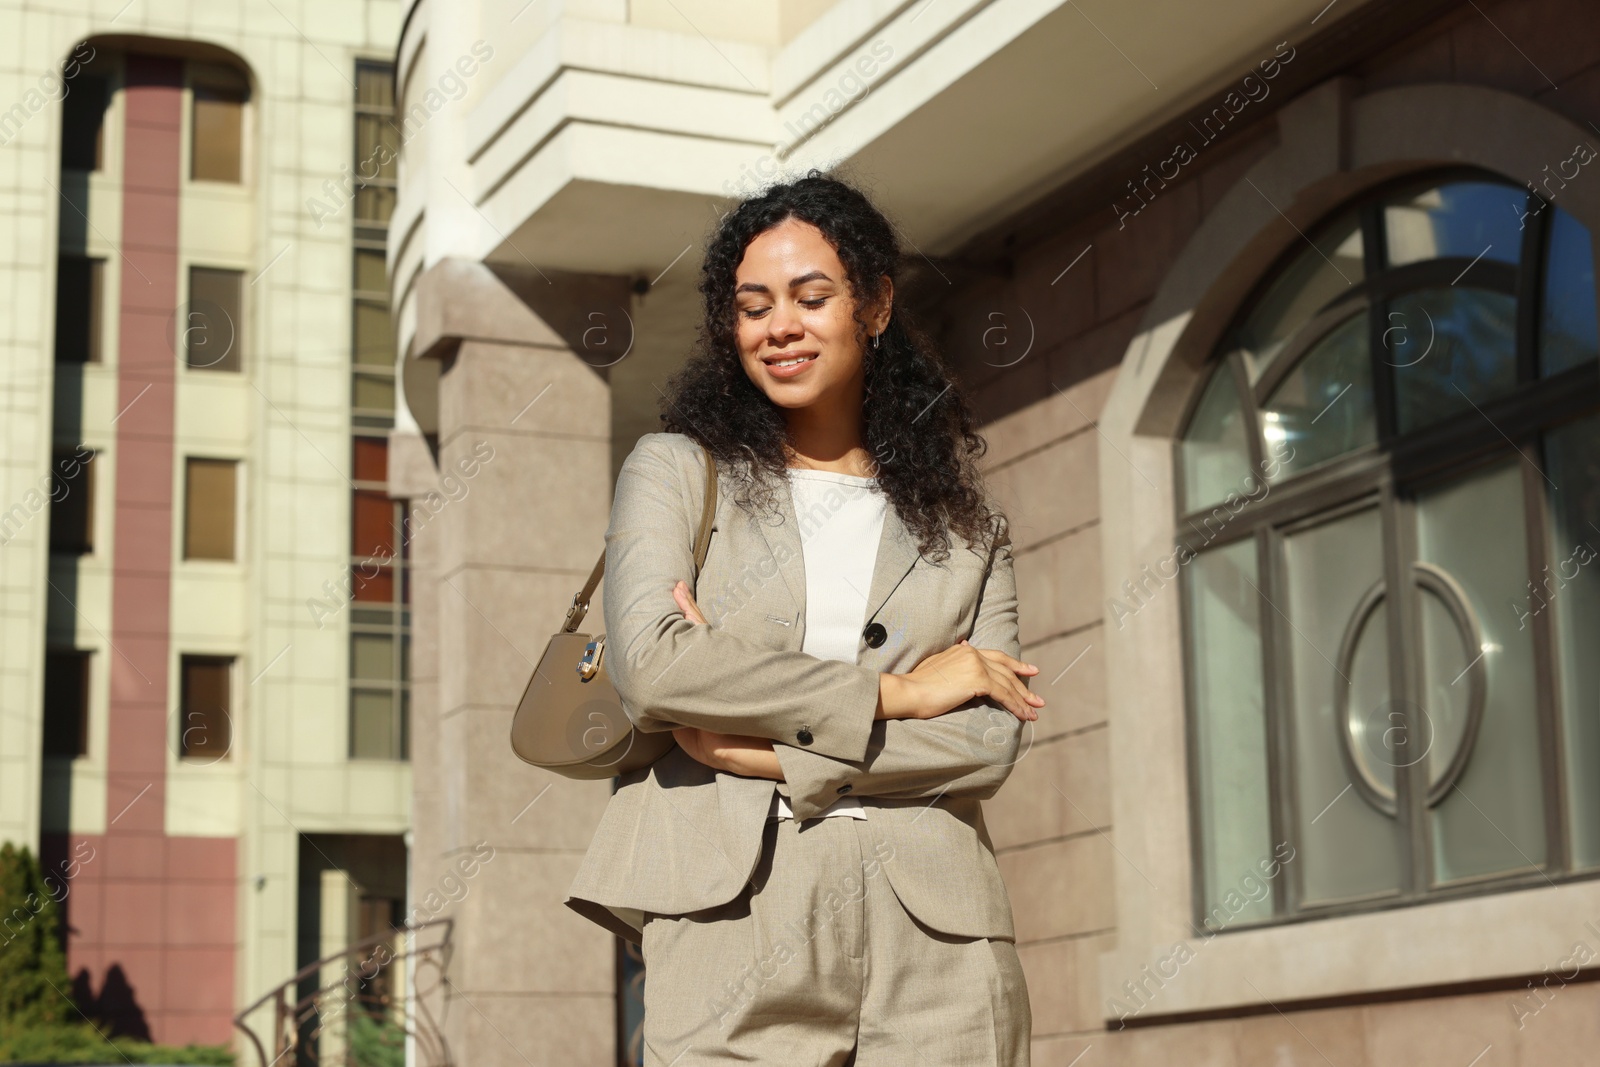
point(787, 366)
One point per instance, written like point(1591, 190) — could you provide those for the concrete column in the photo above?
point(341, 899)
point(524, 491)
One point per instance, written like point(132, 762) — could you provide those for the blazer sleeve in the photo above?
point(670, 671)
point(966, 752)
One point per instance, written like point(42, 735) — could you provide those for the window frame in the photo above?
point(84, 658)
point(1389, 473)
point(224, 80)
point(229, 665)
point(186, 458)
point(237, 349)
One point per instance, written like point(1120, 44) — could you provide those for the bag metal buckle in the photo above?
point(589, 665)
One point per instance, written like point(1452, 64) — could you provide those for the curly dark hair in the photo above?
point(915, 419)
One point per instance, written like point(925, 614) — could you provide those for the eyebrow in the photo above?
point(757, 287)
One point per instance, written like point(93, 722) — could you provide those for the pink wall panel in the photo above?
point(151, 919)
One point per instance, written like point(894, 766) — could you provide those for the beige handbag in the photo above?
point(570, 719)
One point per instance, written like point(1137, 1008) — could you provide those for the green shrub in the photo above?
point(33, 967)
point(82, 1043)
point(39, 1023)
point(374, 1043)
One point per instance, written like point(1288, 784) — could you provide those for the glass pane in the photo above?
point(218, 133)
point(1318, 276)
point(374, 85)
point(370, 275)
point(370, 459)
point(72, 502)
point(1572, 587)
point(1569, 333)
point(1445, 655)
point(1352, 847)
point(1451, 348)
point(83, 118)
point(205, 731)
point(374, 338)
point(209, 509)
point(372, 657)
point(374, 730)
point(373, 527)
point(1377, 727)
point(1230, 733)
point(373, 584)
point(1216, 458)
point(80, 293)
point(66, 703)
point(377, 152)
point(211, 328)
point(1460, 219)
point(1324, 408)
point(373, 392)
point(1493, 820)
point(374, 203)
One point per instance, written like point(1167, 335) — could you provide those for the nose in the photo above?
point(784, 325)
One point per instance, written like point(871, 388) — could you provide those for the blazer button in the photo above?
point(804, 736)
point(875, 634)
point(843, 789)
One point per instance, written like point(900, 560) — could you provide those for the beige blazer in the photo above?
point(678, 836)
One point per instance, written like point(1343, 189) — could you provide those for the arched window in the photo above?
point(1390, 525)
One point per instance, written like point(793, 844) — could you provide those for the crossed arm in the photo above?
point(665, 659)
point(966, 752)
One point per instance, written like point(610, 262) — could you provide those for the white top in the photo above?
point(841, 523)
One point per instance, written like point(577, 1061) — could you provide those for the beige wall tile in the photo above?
point(1060, 889)
point(1059, 586)
point(1058, 787)
point(1442, 1033)
point(1048, 492)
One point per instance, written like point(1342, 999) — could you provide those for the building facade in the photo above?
point(205, 592)
point(1281, 321)
point(331, 325)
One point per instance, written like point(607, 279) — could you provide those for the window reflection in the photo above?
point(1411, 734)
point(1450, 348)
point(1569, 334)
point(1322, 274)
point(1469, 219)
point(1324, 408)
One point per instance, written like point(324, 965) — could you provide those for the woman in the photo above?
point(808, 872)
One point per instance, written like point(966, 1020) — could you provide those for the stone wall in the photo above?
point(1038, 339)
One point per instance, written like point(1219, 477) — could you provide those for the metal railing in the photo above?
point(364, 1006)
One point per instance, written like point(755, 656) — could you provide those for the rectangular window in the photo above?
point(380, 623)
point(210, 508)
point(66, 702)
point(377, 144)
point(80, 292)
point(72, 502)
point(217, 128)
point(83, 120)
point(213, 326)
point(378, 692)
point(205, 722)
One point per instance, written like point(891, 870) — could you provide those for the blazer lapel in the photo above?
point(783, 541)
point(897, 554)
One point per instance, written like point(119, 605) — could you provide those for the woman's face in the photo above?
point(794, 304)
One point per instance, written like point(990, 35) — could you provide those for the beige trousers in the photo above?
point(816, 964)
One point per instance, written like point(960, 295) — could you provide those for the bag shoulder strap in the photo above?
point(702, 545)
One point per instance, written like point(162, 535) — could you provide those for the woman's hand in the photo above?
point(948, 679)
point(685, 598)
point(752, 757)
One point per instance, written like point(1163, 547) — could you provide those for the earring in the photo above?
point(875, 338)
